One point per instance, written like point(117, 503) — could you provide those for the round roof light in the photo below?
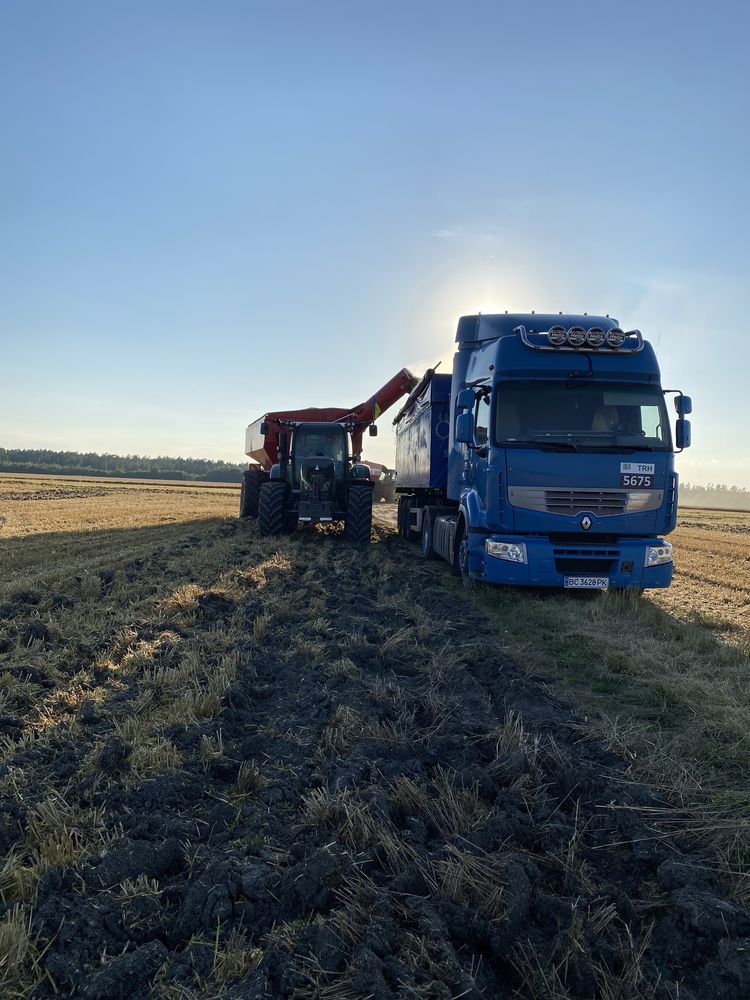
point(595, 336)
point(576, 336)
point(615, 337)
point(557, 335)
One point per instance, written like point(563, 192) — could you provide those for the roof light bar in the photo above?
point(576, 338)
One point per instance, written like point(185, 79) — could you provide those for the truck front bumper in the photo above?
point(548, 564)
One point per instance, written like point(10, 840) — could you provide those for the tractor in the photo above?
point(307, 465)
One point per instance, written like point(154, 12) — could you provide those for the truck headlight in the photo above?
point(510, 551)
point(657, 555)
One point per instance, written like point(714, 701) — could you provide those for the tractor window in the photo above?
point(319, 442)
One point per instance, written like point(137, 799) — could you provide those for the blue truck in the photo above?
point(546, 459)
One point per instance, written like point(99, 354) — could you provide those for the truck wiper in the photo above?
point(629, 448)
point(556, 445)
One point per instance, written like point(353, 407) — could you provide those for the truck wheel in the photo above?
point(250, 493)
point(272, 508)
point(426, 541)
point(461, 558)
point(358, 524)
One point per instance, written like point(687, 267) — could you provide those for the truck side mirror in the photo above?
point(683, 405)
point(465, 400)
point(373, 431)
point(283, 447)
point(682, 433)
point(264, 428)
point(465, 428)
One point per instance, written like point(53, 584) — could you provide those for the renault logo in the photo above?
point(586, 522)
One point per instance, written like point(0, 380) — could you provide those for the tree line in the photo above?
point(715, 495)
point(90, 463)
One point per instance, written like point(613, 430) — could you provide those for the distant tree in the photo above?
point(715, 495)
point(74, 463)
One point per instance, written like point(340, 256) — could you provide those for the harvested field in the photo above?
point(31, 505)
point(713, 573)
point(237, 767)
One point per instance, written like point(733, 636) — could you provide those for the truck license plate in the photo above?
point(587, 582)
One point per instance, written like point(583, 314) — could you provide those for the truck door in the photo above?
point(482, 442)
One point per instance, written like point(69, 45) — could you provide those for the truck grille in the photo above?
point(586, 561)
point(602, 503)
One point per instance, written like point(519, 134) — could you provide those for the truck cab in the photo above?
point(560, 457)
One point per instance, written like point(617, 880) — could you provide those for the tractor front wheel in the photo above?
point(272, 505)
point(252, 480)
point(358, 526)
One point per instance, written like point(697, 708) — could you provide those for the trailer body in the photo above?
point(422, 439)
point(559, 464)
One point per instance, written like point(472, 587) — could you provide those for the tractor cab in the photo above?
point(320, 451)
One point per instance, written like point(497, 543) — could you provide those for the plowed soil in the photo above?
point(289, 768)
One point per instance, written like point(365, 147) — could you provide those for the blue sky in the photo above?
point(209, 210)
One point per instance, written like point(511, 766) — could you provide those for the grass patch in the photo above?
point(674, 695)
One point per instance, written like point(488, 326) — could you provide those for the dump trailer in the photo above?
point(306, 464)
point(546, 458)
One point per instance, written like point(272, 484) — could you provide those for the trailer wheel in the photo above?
point(358, 525)
point(250, 493)
point(406, 504)
point(401, 515)
point(426, 540)
point(272, 508)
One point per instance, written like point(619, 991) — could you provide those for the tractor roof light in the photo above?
point(615, 337)
point(557, 335)
point(595, 336)
point(576, 336)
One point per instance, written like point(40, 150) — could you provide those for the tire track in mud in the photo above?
point(370, 802)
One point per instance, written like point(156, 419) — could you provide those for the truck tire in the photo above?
point(358, 525)
point(461, 557)
point(425, 545)
point(250, 492)
point(272, 508)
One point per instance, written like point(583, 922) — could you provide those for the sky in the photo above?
point(211, 210)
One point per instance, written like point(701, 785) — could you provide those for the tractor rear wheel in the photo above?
point(252, 480)
point(358, 524)
point(272, 508)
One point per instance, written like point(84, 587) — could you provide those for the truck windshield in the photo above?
point(582, 416)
